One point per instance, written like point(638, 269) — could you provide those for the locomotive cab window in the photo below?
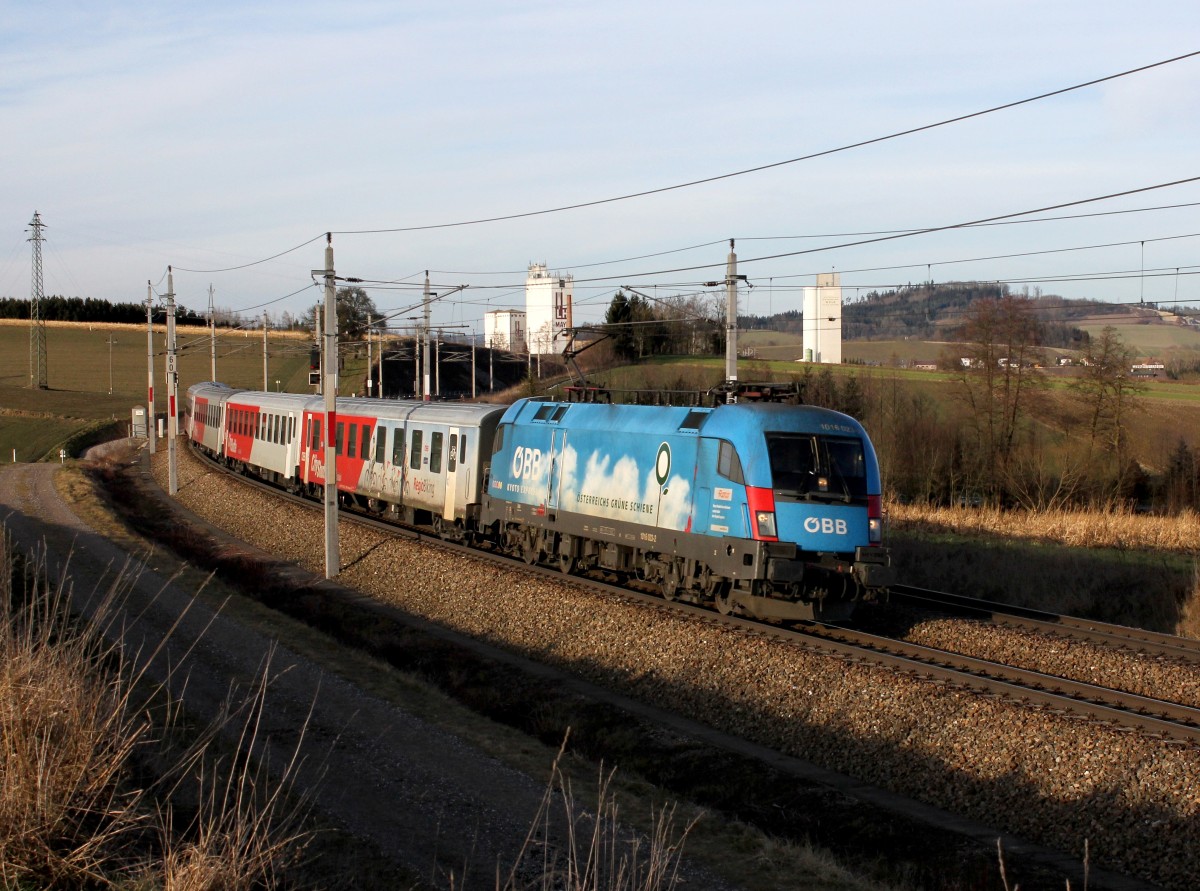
point(825, 468)
point(729, 465)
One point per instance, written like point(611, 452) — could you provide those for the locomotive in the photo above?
point(769, 510)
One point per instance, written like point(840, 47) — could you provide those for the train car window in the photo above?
point(398, 448)
point(452, 461)
point(352, 445)
point(291, 434)
point(365, 443)
point(414, 454)
point(279, 429)
point(337, 441)
point(558, 413)
point(544, 413)
point(694, 419)
point(435, 452)
point(314, 434)
point(381, 435)
point(729, 465)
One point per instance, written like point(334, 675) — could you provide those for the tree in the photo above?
point(1109, 392)
point(617, 325)
point(354, 310)
point(999, 378)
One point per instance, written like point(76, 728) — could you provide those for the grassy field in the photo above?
point(29, 438)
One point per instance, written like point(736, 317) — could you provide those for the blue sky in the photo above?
point(214, 135)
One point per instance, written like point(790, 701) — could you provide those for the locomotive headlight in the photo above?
point(874, 519)
point(765, 522)
point(875, 530)
point(822, 484)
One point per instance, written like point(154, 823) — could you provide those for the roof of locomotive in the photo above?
point(724, 421)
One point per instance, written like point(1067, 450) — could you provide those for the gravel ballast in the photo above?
point(1050, 778)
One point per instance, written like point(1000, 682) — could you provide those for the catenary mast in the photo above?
point(37, 327)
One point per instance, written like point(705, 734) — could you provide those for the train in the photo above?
point(768, 510)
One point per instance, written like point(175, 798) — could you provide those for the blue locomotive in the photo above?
point(766, 509)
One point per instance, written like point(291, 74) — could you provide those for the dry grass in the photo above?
point(1116, 528)
point(79, 721)
point(590, 851)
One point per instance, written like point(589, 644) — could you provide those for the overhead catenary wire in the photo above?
point(717, 177)
point(775, 164)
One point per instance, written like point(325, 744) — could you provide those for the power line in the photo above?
point(254, 262)
point(808, 157)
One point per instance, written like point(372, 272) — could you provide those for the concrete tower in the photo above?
point(823, 320)
point(548, 299)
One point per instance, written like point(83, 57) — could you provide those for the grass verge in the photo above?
point(82, 724)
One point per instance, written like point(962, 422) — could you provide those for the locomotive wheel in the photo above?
point(566, 559)
point(722, 601)
point(670, 583)
point(529, 547)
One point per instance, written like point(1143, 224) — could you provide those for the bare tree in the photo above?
point(1109, 392)
point(999, 377)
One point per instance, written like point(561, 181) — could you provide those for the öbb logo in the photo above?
point(826, 525)
point(526, 462)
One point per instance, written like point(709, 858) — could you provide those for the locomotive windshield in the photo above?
point(824, 468)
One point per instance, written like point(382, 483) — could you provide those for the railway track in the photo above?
point(1104, 706)
point(1134, 640)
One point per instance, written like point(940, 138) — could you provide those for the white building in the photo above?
point(547, 309)
point(504, 329)
point(823, 320)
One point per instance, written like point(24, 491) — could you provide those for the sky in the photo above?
point(224, 139)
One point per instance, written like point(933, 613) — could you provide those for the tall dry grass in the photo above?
point(570, 848)
point(1116, 527)
point(78, 724)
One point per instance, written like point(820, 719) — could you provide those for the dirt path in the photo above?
point(427, 799)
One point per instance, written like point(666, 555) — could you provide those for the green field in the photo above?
point(31, 438)
point(81, 368)
point(78, 365)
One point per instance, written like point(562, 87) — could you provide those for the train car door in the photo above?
point(291, 458)
point(453, 463)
